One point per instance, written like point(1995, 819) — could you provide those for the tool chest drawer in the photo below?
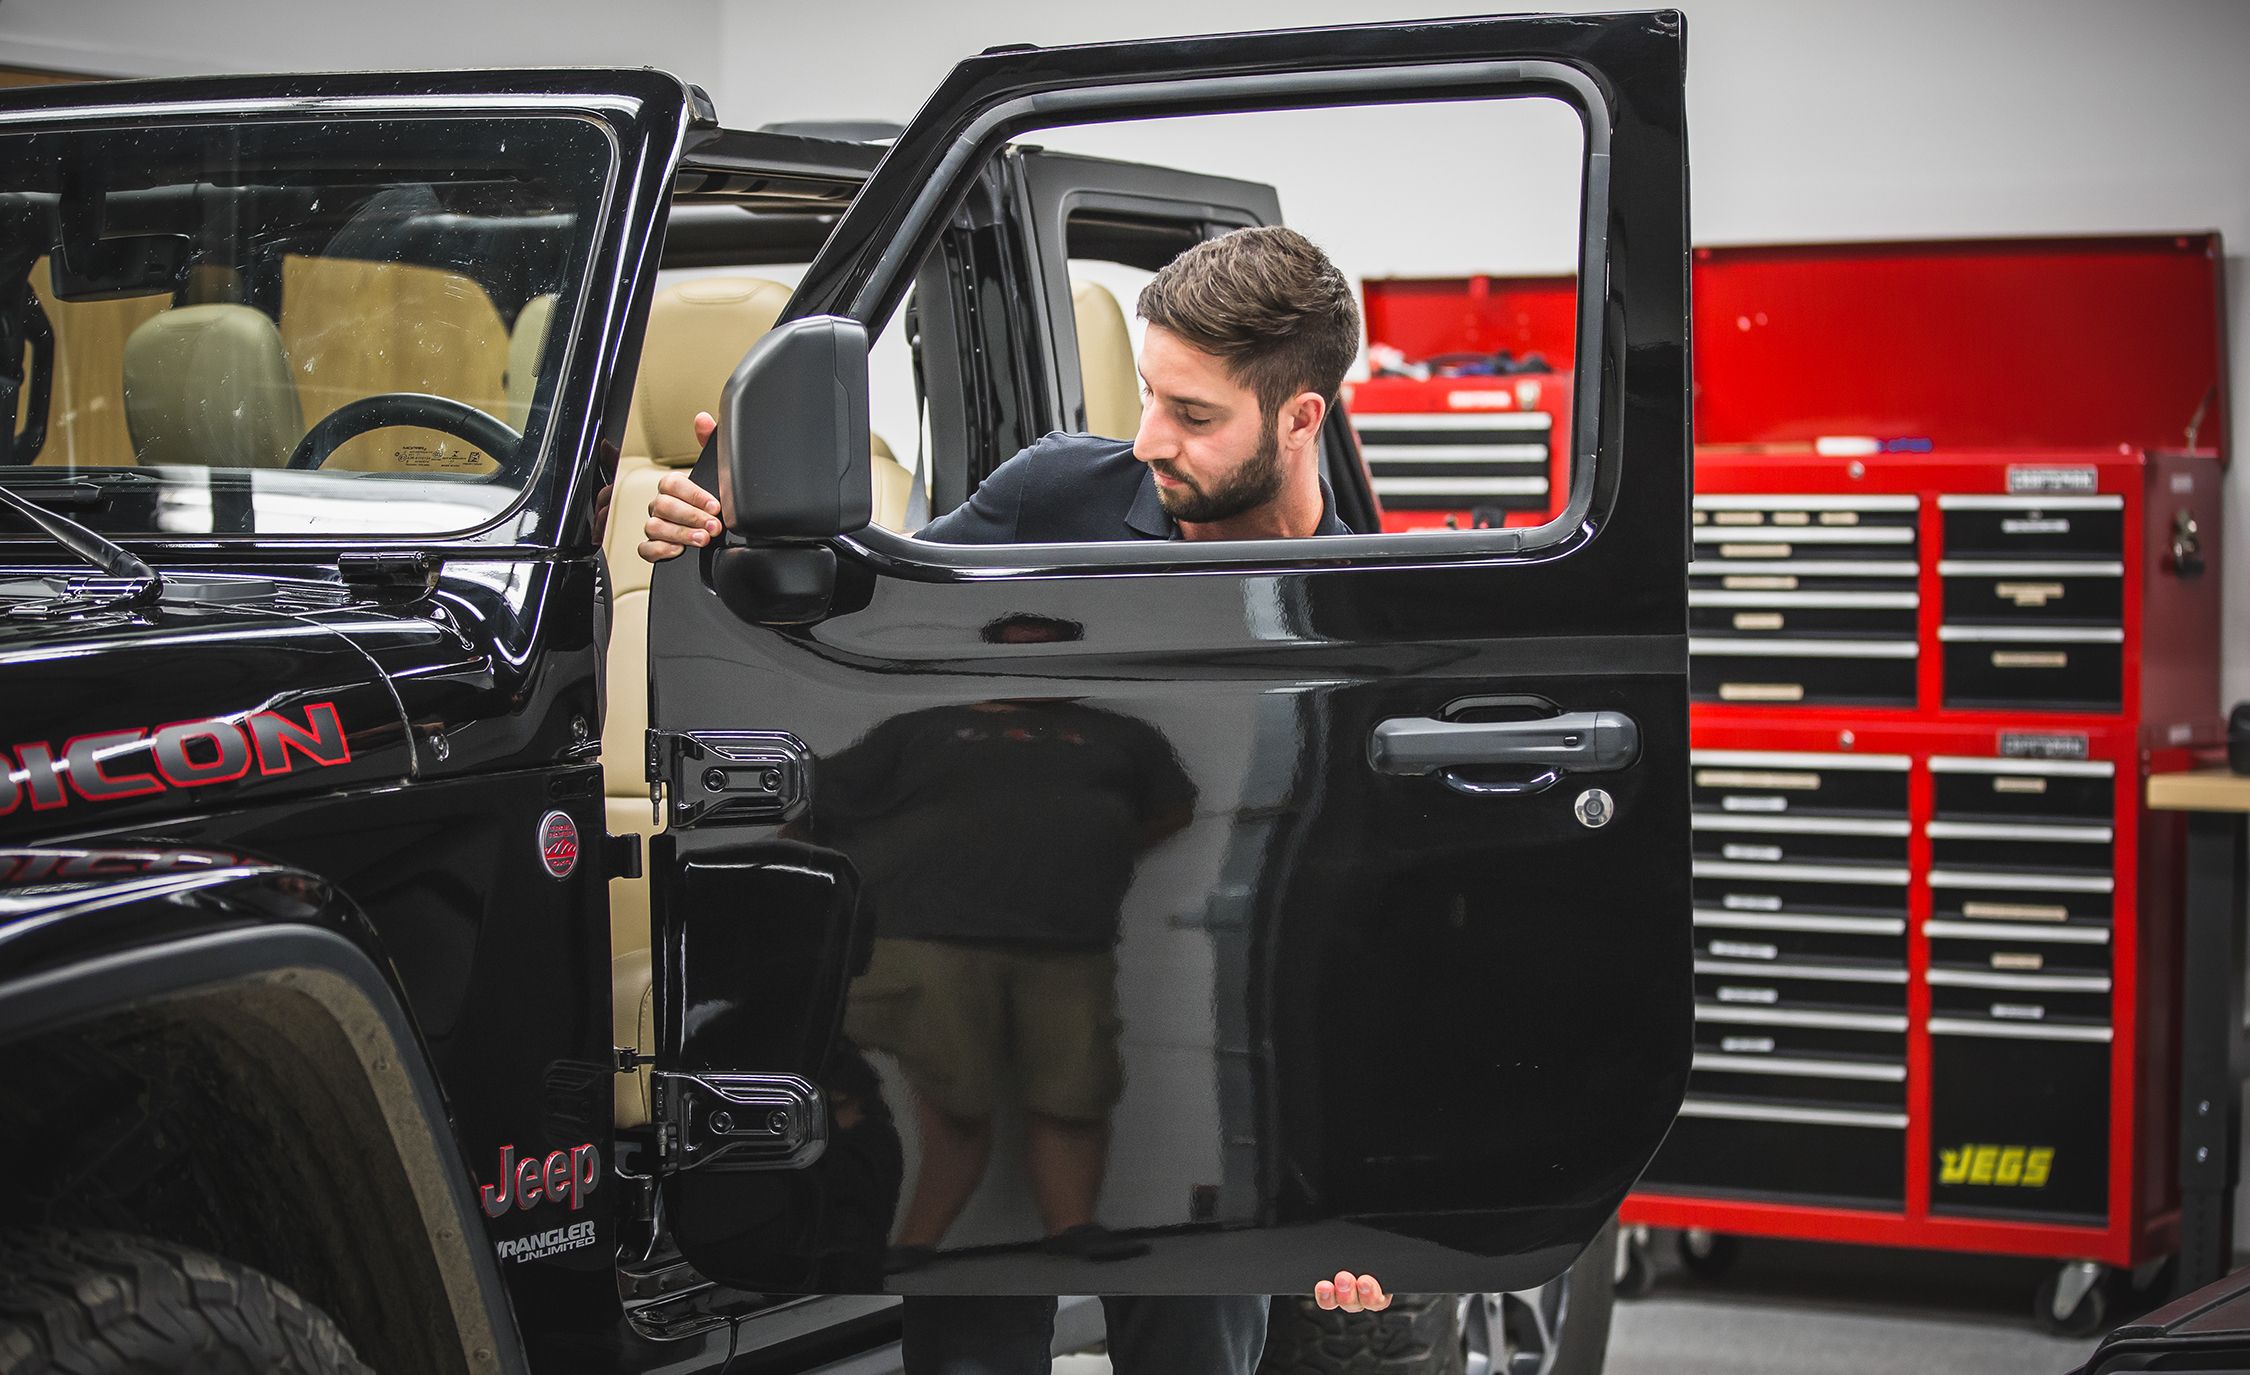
point(2012, 948)
point(1842, 889)
point(1440, 460)
point(1799, 839)
point(2036, 668)
point(1802, 599)
point(2047, 999)
point(2037, 790)
point(1776, 525)
point(2019, 1120)
point(1848, 1156)
point(1865, 1039)
point(1808, 987)
point(1798, 783)
point(1876, 615)
point(2089, 526)
point(2079, 847)
point(1968, 895)
point(1834, 672)
point(1799, 1080)
point(1792, 937)
point(1998, 592)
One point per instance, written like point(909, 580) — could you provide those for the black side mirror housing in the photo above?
point(793, 435)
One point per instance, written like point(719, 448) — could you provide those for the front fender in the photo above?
point(274, 966)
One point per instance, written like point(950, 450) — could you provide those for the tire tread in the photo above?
point(107, 1303)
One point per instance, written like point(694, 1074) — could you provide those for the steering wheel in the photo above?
point(385, 409)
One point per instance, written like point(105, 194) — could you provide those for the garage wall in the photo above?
point(1809, 120)
point(173, 37)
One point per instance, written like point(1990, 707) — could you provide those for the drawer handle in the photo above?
point(1761, 692)
point(2030, 658)
point(2014, 1031)
point(2028, 595)
point(2015, 911)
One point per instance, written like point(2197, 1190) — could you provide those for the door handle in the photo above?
point(1575, 742)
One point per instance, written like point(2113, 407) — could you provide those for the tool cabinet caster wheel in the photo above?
point(2073, 1301)
point(1636, 1271)
point(1706, 1255)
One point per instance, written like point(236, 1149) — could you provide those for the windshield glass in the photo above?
point(342, 327)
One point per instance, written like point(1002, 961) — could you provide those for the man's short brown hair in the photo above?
point(1269, 304)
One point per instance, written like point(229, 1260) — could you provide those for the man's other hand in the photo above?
point(681, 515)
point(1352, 1293)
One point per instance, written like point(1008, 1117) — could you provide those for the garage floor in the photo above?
point(1790, 1308)
point(1795, 1307)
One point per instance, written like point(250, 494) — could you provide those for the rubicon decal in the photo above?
point(530, 1180)
point(136, 761)
point(558, 844)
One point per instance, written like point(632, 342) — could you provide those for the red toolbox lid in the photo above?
point(1991, 343)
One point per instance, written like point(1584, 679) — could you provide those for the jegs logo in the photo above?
point(2004, 1167)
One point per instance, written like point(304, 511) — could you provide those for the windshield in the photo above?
point(336, 327)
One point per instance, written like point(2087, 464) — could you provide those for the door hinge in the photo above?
point(621, 856)
point(726, 775)
point(626, 1059)
point(736, 1121)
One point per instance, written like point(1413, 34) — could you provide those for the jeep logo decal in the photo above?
point(571, 1174)
point(135, 761)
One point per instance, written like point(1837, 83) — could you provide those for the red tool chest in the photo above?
point(1954, 594)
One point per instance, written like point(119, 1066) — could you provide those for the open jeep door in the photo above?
point(1335, 890)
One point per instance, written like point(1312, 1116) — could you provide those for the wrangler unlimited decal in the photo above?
point(136, 761)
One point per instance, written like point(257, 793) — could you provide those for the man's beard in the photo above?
point(1247, 488)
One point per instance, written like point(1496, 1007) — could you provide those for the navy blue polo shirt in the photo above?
point(1071, 489)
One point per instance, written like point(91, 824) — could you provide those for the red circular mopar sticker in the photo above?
point(558, 844)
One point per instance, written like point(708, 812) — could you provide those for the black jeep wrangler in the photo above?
point(382, 972)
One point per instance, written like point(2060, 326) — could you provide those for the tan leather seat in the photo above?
point(894, 483)
point(1107, 370)
point(85, 414)
point(210, 385)
point(354, 327)
point(698, 331)
point(527, 342)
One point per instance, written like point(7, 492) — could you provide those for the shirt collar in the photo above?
point(1148, 520)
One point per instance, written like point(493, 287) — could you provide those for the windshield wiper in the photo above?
point(97, 549)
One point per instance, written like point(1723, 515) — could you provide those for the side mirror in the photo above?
point(793, 435)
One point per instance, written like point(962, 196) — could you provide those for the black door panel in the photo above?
point(1127, 881)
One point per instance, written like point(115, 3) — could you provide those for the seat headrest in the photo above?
point(527, 342)
point(698, 330)
point(1106, 367)
point(210, 385)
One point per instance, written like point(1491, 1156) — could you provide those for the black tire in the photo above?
point(1418, 1333)
point(1635, 1270)
point(105, 1303)
point(1440, 1334)
point(1707, 1256)
point(1583, 1348)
